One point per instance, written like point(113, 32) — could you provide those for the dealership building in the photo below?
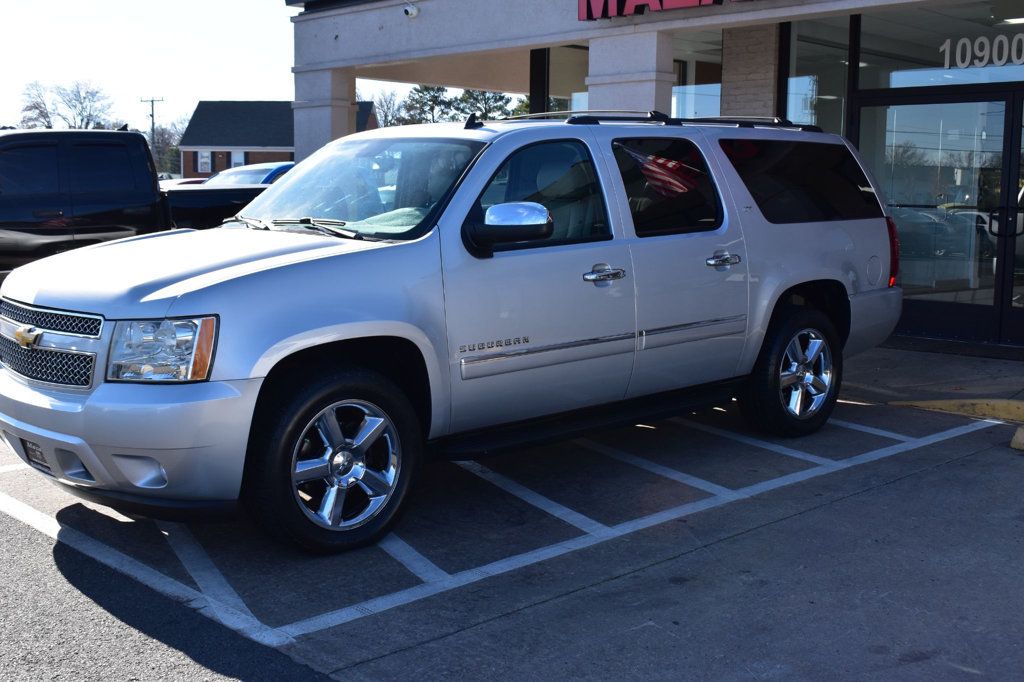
point(931, 91)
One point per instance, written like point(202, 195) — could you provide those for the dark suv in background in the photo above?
point(63, 189)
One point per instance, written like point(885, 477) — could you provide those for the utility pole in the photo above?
point(152, 122)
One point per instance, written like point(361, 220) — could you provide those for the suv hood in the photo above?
point(142, 276)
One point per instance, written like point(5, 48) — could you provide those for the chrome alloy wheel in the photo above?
point(346, 464)
point(805, 376)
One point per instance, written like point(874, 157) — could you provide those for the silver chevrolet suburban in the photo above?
point(448, 288)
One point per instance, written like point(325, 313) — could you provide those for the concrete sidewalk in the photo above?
point(977, 387)
point(885, 375)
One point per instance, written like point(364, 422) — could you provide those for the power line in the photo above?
point(152, 119)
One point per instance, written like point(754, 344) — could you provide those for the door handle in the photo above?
point(604, 274)
point(47, 214)
point(720, 260)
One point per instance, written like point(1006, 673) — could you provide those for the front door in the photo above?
point(949, 168)
point(528, 334)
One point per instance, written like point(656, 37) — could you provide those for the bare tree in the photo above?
point(388, 108)
point(82, 105)
point(37, 109)
point(166, 153)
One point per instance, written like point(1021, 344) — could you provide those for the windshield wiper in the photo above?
point(254, 223)
point(326, 226)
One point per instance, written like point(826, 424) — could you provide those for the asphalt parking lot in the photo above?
point(887, 544)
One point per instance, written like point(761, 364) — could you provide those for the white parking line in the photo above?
point(756, 442)
point(122, 563)
point(13, 467)
point(891, 435)
point(654, 468)
point(573, 518)
point(200, 566)
point(413, 594)
point(417, 564)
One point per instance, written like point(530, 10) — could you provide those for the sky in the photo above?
point(183, 51)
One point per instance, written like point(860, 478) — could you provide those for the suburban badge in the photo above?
point(497, 343)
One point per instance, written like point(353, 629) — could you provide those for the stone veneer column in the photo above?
point(633, 71)
point(750, 70)
point(324, 108)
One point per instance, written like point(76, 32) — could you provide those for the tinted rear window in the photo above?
point(668, 186)
point(803, 182)
point(101, 168)
point(28, 169)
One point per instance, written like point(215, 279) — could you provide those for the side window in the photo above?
point(28, 169)
point(100, 168)
point(803, 182)
point(560, 176)
point(668, 185)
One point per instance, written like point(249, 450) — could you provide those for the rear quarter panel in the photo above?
point(854, 253)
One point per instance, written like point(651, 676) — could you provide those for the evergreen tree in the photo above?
point(427, 104)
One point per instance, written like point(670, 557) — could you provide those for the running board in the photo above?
point(515, 435)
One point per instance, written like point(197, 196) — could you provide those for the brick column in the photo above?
point(324, 108)
point(750, 70)
point(631, 71)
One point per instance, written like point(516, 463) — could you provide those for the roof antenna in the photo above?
point(472, 123)
point(123, 129)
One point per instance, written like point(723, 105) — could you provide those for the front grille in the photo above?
point(44, 364)
point(64, 323)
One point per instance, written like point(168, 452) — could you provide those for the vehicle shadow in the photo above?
point(171, 623)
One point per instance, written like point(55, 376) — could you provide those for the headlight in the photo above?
point(162, 350)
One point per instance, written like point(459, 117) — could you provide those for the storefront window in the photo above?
point(967, 44)
point(698, 65)
point(940, 168)
point(569, 67)
point(817, 68)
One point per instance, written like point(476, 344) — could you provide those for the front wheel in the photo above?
point(795, 382)
point(331, 467)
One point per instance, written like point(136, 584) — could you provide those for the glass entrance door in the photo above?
point(945, 169)
point(1012, 257)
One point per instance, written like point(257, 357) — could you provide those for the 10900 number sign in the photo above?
point(984, 51)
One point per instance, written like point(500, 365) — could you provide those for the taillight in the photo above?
point(894, 251)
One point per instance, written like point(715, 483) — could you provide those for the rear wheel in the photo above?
point(796, 380)
point(332, 466)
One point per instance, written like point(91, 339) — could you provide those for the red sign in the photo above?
point(603, 9)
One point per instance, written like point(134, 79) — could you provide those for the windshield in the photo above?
point(383, 188)
point(238, 177)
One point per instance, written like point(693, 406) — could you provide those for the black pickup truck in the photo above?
point(62, 189)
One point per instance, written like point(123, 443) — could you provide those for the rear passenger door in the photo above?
point(33, 205)
point(689, 259)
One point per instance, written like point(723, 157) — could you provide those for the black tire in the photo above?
point(283, 433)
point(765, 402)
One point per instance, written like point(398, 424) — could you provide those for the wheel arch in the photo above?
point(403, 358)
point(830, 296)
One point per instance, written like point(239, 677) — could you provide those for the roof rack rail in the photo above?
point(598, 116)
point(627, 114)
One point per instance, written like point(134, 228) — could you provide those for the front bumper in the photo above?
point(137, 447)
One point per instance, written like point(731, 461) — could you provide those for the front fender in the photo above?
point(439, 390)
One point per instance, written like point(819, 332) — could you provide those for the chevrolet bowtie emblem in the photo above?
point(27, 336)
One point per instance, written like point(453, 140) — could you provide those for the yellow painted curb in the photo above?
point(986, 408)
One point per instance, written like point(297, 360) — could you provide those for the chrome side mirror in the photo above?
point(519, 221)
